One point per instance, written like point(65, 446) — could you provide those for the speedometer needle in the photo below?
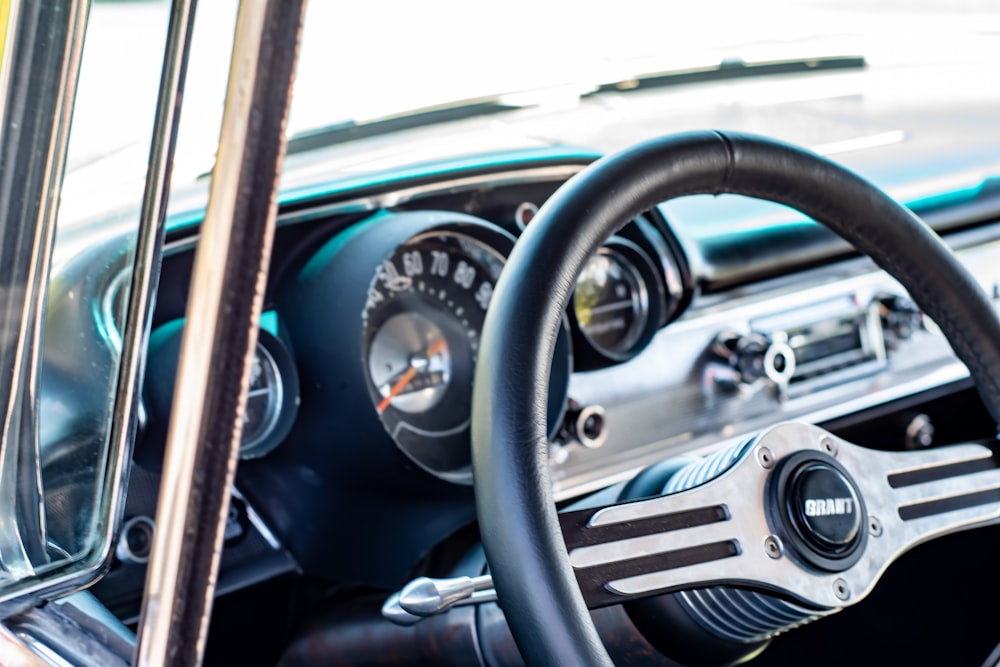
point(411, 372)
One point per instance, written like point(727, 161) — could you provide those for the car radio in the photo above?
point(798, 351)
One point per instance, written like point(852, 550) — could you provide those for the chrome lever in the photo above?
point(424, 597)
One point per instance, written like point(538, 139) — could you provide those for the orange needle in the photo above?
point(411, 372)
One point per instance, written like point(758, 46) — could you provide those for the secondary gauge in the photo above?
point(422, 321)
point(272, 398)
point(616, 300)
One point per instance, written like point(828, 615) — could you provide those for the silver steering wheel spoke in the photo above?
point(749, 526)
point(765, 523)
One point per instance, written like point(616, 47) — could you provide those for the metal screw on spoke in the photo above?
point(841, 590)
point(874, 526)
point(828, 446)
point(765, 458)
point(772, 545)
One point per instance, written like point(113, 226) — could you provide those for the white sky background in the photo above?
point(374, 57)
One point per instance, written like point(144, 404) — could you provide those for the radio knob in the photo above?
point(779, 360)
point(754, 356)
point(748, 357)
point(900, 318)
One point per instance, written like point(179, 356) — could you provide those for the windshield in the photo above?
point(358, 67)
point(524, 45)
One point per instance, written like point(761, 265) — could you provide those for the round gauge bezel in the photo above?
point(650, 302)
point(273, 391)
point(283, 398)
point(438, 440)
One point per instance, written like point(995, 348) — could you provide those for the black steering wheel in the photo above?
point(544, 592)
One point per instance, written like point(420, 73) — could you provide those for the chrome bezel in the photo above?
point(639, 301)
point(275, 392)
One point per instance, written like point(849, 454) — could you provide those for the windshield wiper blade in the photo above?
point(351, 130)
point(734, 68)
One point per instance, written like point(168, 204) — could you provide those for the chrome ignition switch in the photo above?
point(583, 426)
point(587, 425)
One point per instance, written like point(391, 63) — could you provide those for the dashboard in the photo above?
point(701, 322)
point(359, 402)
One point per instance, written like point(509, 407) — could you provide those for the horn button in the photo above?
point(824, 508)
point(819, 511)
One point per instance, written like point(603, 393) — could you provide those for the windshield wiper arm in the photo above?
point(351, 130)
point(734, 68)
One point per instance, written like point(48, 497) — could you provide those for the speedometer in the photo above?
point(391, 388)
point(422, 320)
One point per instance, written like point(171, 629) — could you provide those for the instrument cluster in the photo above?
point(424, 311)
point(400, 375)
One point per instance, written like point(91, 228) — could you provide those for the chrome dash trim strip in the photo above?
point(405, 195)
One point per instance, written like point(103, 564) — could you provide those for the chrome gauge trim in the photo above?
point(633, 293)
point(430, 362)
point(420, 333)
point(633, 274)
point(668, 263)
point(274, 392)
point(276, 399)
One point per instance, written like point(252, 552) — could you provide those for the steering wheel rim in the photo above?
point(520, 530)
